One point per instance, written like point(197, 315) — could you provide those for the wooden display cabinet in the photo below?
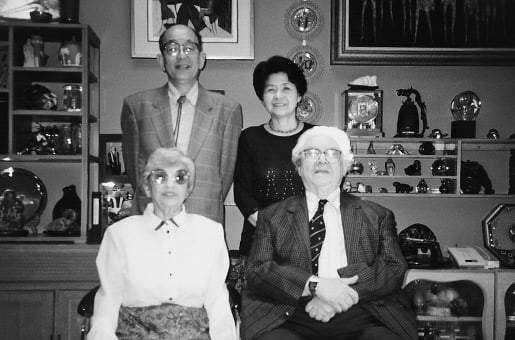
point(74, 160)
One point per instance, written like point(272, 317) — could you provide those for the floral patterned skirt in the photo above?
point(163, 322)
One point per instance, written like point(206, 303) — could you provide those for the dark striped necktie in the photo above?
point(317, 235)
point(180, 101)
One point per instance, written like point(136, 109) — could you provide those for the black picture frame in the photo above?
point(353, 42)
point(106, 172)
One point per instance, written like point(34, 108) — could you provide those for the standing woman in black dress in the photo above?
point(264, 171)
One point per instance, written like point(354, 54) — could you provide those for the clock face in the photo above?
point(363, 109)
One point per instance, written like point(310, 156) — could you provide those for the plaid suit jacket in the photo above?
point(146, 122)
point(280, 264)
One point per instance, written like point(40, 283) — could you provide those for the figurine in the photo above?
point(413, 169)
point(437, 133)
point(356, 168)
point(442, 167)
point(361, 187)
point(12, 220)
point(370, 150)
point(390, 167)
point(447, 186)
point(347, 187)
point(493, 134)
point(402, 187)
point(422, 187)
point(473, 177)
point(407, 124)
point(373, 167)
point(397, 149)
point(426, 148)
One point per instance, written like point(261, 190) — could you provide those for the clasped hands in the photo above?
point(333, 296)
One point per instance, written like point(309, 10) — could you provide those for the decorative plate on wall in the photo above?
point(308, 59)
point(309, 109)
point(303, 19)
point(23, 199)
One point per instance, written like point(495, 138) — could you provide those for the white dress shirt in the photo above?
point(141, 266)
point(332, 255)
point(187, 114)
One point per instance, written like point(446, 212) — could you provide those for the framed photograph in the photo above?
point(20, 9)
point(112, 167)
point(429, 32)
point(226, 27)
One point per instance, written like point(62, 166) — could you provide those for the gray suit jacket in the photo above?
point(280, 264)
point(146, 122)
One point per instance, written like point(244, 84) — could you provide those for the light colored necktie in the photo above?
point(180, 101)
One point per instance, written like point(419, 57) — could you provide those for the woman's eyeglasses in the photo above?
point(313, 154)
point(159, 176)
point(173, 48)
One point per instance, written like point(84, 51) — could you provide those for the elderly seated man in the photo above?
point(325, 264)
point(162, 274)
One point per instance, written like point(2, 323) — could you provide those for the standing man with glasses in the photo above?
point(326, 264)
point(203, 124)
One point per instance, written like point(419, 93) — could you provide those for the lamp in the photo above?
point(464, 108)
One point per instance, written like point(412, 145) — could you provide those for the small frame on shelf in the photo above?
point(112, 167)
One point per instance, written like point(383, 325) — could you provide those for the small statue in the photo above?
point(447, 186)
point(402, 188)
point(347, 187)
point(356, 168)
point(413, 169)
point(12, 219)
point(437, 133)
point(493, 134)
point(407, 124)
point(397, 149)
point(370, 150)
point(473, 177)
point(390, 167)
point(422, 187)
point(373, 168)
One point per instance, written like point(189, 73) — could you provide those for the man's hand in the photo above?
point(319, 310)
point(337, 293)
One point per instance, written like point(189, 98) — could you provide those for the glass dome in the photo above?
point(465, 106)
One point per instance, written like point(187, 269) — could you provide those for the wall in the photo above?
point(455, 221)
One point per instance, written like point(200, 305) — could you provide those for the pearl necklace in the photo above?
point(282, 131)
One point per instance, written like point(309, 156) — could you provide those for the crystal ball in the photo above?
point(465, 106)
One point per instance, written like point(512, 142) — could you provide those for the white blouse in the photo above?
point(141, 266)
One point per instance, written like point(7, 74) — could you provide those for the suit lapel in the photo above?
point(202, 122)
point(162, 117)
point(351, 220)
point(298, 221)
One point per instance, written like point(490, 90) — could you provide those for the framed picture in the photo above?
point(432, 32)
point(112, 167)
point(227, 27)
point(20, 9)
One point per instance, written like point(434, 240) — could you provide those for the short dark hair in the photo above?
point(277, 64)
point(162, 37)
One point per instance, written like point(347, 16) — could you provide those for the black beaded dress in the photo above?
point(264, 174)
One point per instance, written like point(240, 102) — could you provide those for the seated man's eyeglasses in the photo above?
point(313, 154)
point(159, 176)
point(173, 48)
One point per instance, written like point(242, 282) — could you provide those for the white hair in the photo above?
point(339, 136)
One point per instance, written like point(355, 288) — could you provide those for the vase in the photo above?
point(69, 201)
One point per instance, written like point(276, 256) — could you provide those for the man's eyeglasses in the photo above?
point(159, 176)
point(313, 154)
point(173, 48)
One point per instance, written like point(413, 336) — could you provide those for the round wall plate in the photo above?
point(303, 19)
point(308, 59)
point(309, 109)
point(499, 233)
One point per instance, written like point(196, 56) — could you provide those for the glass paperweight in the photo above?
point(464, 108)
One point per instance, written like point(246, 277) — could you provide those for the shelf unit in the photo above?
point(75, 166)
point(451, 151)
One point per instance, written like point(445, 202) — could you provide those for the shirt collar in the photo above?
point(191, 96)
point(156, 222)
point(312, 200)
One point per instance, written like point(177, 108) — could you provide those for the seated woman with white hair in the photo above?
point(162, 273)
